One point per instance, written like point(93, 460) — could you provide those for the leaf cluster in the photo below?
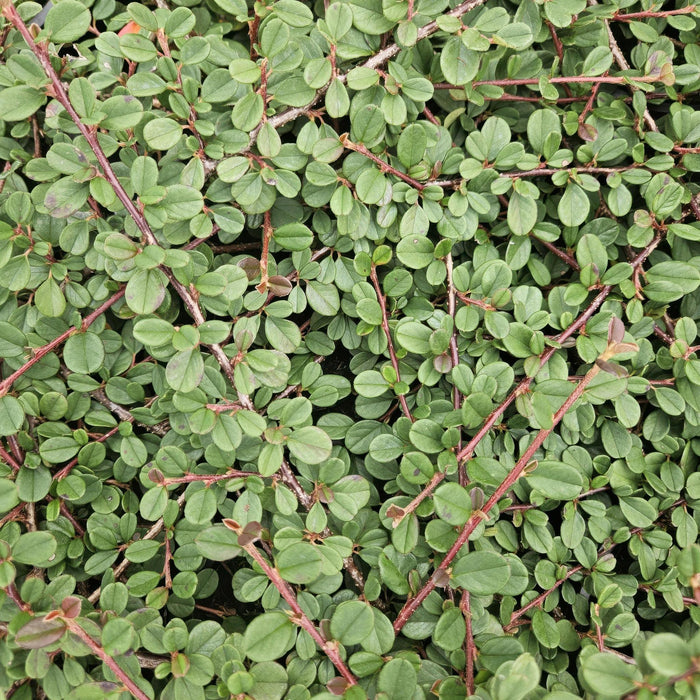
point(349, 349)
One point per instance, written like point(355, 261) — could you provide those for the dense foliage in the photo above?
point(349, 348)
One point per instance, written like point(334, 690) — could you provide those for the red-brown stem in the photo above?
point(5, 169)
point(556, 80)
point(90, 135)
point(507, 97)
point(6, 457)
point(477, 516)
point(559, 48)
point(383, 165)
point(536, 602)
point(454, 352)
point(123, 414)
point(663, 335)
point(430, 116)
point(389, 341)
point(329, 647)
point(628, 17)
point(409, 14)
point(289, 479)
point(334, 68)
point(14, 514)
point(14, 596)
point(98, 651)
point(166, 564)
point(599, 633)
point(44, 350)
point(474, 302)
point(654, 382)
point(568, 259)
point(683, 149)
point(589, 103)
point(253, 36)
point(267, 237)
point(63, 473)
point(232, 247)
point(79, 530)
point(470, 651)
point(17, 451)
point(223, 407)
point(206, 478)
point(536, 172)
point(263, 87)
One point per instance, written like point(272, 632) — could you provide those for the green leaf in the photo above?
point(545, 629)
point(218, 543)
point(452, 504)
point(668, 654)
point(412, 144)
point(556, 480)
point(39, 633)
point(637, 511)
point(162, 134)
point(323, 298)
point(414, 337)
point(415, 252)
point(597, 61)
point(84, 353)
point(11, 415)
point(426, 435)
point(294, 236)
point(459, 64)
point(299, 563)
point(352, 622)
point(153, 503)
point(9, 497)
point(49, 299)
point(20, 102)
point(397, 679)
point(67, 21)
point(450, 630)
point(269, 636)
point(522, 214)
point(310, 444)
point(481, 573)
point(58, 449)
point(608, 675)
point(155, 332)
point(145, 291)
point(574, 206)
point(337, 100)
point(185, 370)
point(34, 548)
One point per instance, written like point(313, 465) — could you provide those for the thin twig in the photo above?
point(383, 165)
point(379, 59)
point(477, 516)
point(152, 533)
point(44, 350)
point(90, 135)
point(98, 651)
point(454, 352)
point(390, 342)
point(329, 647)
point(124, 415)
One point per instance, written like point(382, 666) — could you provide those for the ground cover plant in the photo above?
point(349, 349)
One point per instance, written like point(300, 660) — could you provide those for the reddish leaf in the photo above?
point(40, 633)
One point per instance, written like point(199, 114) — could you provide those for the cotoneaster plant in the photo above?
point(349, 348)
